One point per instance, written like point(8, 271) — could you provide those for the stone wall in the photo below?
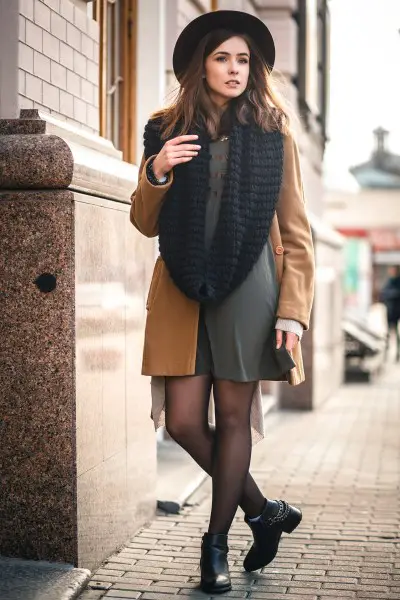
point(78, 458)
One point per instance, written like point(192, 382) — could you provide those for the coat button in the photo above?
point(279, 250)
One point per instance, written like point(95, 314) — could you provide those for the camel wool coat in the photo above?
point(172, 318)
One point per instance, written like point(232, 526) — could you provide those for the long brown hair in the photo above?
point(259, 103)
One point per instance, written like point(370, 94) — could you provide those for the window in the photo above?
point(117, 21)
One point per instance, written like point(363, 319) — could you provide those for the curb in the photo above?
point(30, 579)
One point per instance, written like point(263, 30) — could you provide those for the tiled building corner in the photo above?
point(59, 61)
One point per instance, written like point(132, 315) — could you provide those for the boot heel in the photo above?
point(292, 521)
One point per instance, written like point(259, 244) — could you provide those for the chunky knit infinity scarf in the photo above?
point(250, 194)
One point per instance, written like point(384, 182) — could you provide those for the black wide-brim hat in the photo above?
point(233, 20)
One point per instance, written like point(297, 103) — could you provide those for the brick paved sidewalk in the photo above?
point(341, 465)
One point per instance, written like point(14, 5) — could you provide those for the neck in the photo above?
point(221, 104)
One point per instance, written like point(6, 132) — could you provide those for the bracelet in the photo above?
point(151, 176)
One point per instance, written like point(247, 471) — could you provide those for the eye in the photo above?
point(221, 58)
point(243, 61)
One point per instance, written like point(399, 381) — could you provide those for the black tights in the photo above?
point(224, 453)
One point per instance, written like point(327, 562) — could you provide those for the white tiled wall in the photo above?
point(180, 14)
point(59, 61)
point(187, 11)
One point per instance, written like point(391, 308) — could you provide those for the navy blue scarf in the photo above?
point(250, 194)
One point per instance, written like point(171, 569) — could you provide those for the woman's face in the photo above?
point(227, 70)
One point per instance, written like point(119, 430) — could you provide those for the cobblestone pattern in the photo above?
point(59, 61)
point(341, 465)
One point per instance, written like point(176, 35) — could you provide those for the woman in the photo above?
point(220, 185)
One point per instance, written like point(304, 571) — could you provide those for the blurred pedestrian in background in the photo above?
point(390, 296)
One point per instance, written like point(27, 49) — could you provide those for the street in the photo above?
point(340, 464)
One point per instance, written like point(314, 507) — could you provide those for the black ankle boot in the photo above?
point(267, 533)
point(215, 577)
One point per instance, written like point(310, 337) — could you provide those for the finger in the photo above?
point(184, 147)
point(182, 138)
point(291, 340)
point(279, 337)
point(178, 161)
point(174, 155)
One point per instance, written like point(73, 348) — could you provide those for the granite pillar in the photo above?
point(78, 453)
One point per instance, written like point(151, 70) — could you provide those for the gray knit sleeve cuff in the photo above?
point(290, 325)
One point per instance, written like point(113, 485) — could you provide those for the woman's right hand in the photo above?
point(174, 152)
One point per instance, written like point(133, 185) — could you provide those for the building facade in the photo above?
point(369, 219)
point(87, 75)
point(105, 65)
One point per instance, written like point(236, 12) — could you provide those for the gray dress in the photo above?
point(235, 337)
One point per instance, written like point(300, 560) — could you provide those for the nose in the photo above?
point(233, 69)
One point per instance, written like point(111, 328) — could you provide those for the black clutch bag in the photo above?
point(283, 357)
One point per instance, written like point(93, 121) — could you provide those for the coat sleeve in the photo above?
point(146, 201)
point(297, 285)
